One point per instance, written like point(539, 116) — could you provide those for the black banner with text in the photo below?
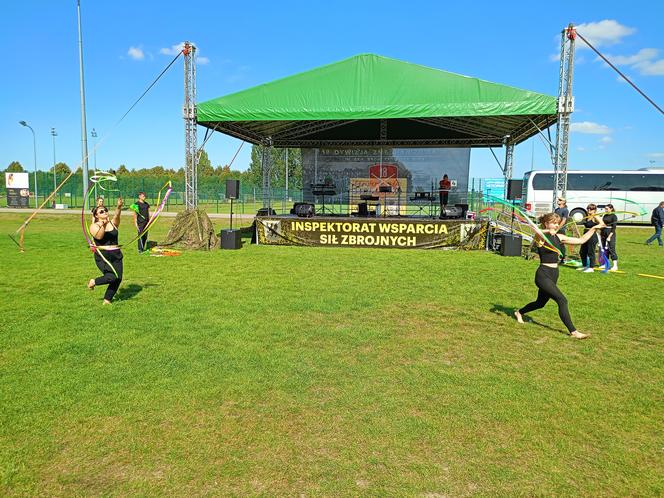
point(376, 232)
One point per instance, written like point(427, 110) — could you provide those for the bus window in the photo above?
point(543, 181)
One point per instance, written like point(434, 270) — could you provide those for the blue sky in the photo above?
point(127, 43)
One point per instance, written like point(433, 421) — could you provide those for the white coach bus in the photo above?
point(645, 187)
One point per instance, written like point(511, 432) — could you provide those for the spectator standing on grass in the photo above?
point(657, 220)
point(563, 212)
point(589, 247)
point(141, 218)
point(609, 235)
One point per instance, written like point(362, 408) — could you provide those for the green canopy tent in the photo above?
point(370, 101)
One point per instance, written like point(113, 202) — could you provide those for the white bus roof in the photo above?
point(603, 171)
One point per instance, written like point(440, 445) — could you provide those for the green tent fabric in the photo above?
point(374, 100)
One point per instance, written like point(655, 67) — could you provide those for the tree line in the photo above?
point(251, 176)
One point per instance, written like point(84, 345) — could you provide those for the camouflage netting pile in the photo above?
point(192, 229)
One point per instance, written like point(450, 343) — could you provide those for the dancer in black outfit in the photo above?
point(589, 248)
point(105, 232)
point(546, 276)
point(609, 235)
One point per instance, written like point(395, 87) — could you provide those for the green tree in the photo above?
point(157, 171)
point(204, 165)
point(61, 169)
point(254, 174)
point(14, 167)
point(122, 170)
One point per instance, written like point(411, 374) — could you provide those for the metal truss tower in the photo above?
point(190, 139)
point(266, 167)
point(509, 161)
point(565, 108)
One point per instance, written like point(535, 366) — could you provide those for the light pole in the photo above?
point(93, 134)
point(34, 148)
point(55, 181)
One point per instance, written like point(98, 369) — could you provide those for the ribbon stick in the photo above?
point(527, 221)
point(24, 225)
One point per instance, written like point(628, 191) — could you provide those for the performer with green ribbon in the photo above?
point(141, 218)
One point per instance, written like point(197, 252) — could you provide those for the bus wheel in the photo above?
point(578, 215)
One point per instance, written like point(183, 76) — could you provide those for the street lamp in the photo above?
point(93, 134)
point(34, 148)
point(55, 182)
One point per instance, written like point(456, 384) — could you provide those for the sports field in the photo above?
point(324, 372)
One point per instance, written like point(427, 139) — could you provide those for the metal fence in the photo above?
point(212, 196)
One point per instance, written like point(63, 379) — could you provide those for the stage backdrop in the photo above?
point(356, 172)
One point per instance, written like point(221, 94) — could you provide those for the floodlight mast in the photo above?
point(190, 139)
point(565, 109)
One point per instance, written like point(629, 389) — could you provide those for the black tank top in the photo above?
point(546, 254)
point(110, 238)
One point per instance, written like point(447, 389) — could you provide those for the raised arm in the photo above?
point(118, 210)
point(580, 240)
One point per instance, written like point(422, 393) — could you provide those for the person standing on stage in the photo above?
point(589, 248)
point(546, 277)
point(141, 218)
point(563, 212)
point(657, 220)
point(444, 187)
point(105, 233)
point(609, 235)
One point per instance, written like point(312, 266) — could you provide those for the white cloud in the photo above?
point(651, 68)
point(606, 139)
point(642, 61)
point(136, 53)
point(603, 33)
point(645, 54)
point(656, 155)
point(581, 149)
point(554, 57)
point(176, 49)
point(590, 128)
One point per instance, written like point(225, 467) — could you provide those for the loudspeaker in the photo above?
point(514, 190)
point(510, 245)
point(230, 239)
point(266, 212)
point(452, 212)
point(464, 209)
point(303, 209)
point(232, 189)
point(363, 209)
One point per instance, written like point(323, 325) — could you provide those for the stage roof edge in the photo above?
point(369, 100)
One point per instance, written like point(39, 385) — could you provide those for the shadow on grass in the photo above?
point(129, 291)
point(509, 312)
point(634, 243)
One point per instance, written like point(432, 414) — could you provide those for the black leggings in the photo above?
point(610, 248)
point(588, 252)
point(545, 280)
point(109, 276)
point(142, 240)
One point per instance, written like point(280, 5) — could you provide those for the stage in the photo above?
point(387, 232)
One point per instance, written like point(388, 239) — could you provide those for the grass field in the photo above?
point(324, 372)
